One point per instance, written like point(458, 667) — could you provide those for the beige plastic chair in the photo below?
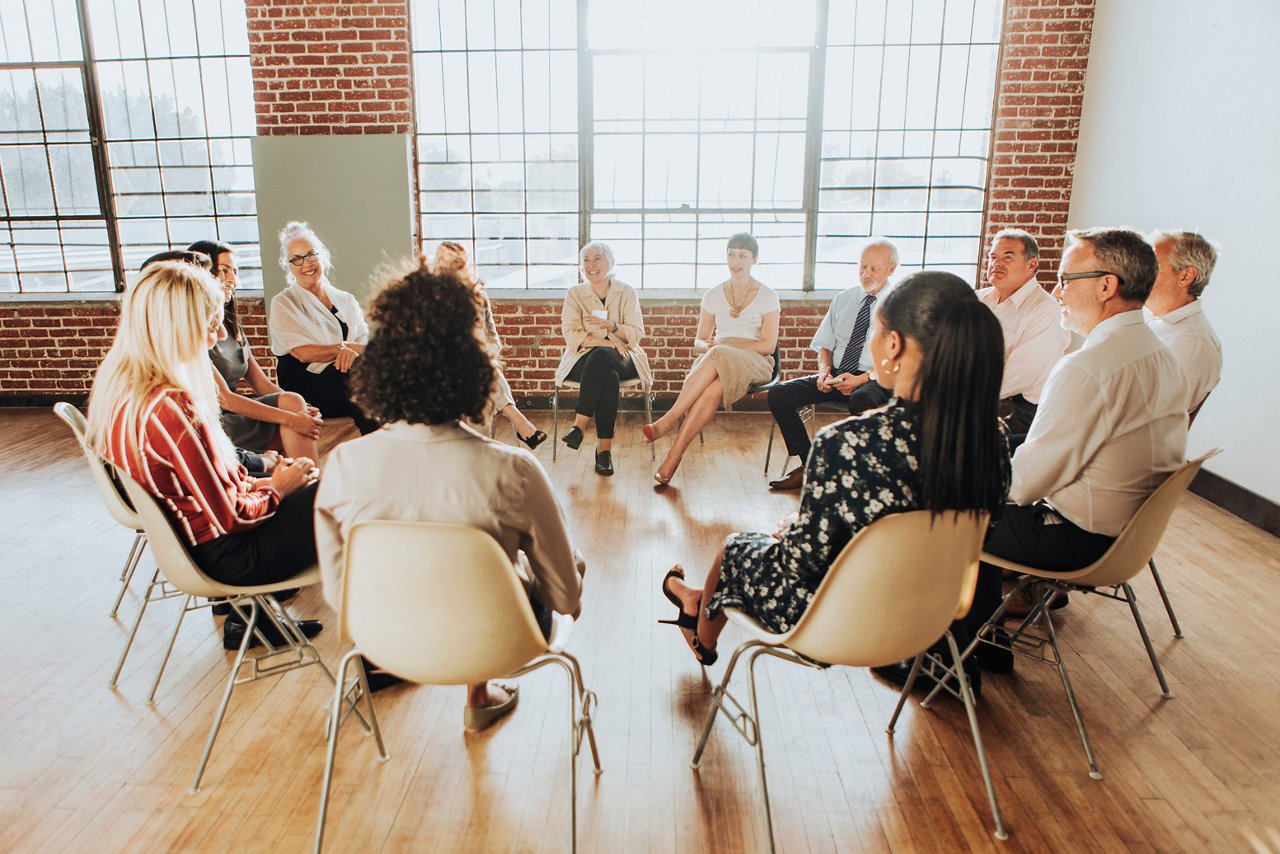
point(891, 593)
point(112, 497)
point(575, 386)
point(441, 604)
point(1129, 554)
point(175, 562)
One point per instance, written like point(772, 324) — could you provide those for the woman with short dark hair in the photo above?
point(937, 445)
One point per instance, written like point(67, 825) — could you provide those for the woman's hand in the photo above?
point(305, 423)
point(345, 358)
point(784, 525)
point(290, 475)
point(701, 345)
point(313, 410)
point(597, 326)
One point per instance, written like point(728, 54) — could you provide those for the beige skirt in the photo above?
point(737, 368)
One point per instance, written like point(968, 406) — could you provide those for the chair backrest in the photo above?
point(171, 555)
point(893, 590)
point(435, 603)
point(108, 487)
point(777, 371)
point(1136, 544)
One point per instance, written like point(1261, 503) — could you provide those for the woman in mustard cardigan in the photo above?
point(602, 331)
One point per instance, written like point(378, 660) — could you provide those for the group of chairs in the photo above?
point(891, 593)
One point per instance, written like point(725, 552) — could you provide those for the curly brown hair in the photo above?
point(427, 361)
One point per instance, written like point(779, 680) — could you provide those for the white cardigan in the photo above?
point(299, 318)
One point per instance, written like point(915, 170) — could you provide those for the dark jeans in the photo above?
point(1017, 413)
point(600, 372)
point(327, 391)
point(786, 399)
point(276, 550)
point(1036, 536)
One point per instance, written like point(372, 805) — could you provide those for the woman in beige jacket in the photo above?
point(602, 332)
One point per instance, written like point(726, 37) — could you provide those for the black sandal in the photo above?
point(706, 657)
point(535, 440)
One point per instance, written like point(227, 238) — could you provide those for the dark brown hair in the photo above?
point(427, 361)
point(963, 456)
point(231, 309)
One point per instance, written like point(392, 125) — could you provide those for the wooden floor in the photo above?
point(85, 768)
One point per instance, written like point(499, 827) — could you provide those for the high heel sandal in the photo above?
point(706, 657)
point(534, 440)
point(662, 479)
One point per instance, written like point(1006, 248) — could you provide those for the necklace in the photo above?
point(736, 306)
point(594, 290)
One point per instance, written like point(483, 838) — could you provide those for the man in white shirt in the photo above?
point(842, 343)
point(1034, 340)
point(1111, 426)
point(1186, 262)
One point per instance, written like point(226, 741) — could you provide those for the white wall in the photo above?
point(1181, 129)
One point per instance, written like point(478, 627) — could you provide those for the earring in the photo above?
point(884, 363)
point(896, 367)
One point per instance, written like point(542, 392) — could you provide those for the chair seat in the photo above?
point(755, 629)
point(306, 578)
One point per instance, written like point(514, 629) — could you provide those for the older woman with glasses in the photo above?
point(317, 331)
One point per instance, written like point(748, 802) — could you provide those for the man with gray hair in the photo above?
point(1034, 340)
point(843, 345)
point(1186, 261)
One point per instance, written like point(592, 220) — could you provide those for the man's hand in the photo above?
point(846, 383)
point(824, 380)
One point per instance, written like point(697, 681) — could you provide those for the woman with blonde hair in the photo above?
point(451, 259)
point(153, 412)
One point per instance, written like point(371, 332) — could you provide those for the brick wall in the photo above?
point(1038, 99)
point(330, 68)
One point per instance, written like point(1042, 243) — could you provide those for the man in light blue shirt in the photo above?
point(844, 359)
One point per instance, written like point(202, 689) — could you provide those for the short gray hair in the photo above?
point(1190, 249)
point(1125, 253)
point(876, 242)
point(603, 249)
point(296, 230)
point(1030, 249)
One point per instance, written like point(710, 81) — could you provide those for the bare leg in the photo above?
point(692, 598)
point(293, 443)
point(581, 421)
point(700, 415)
point(692, 391)
point(524, 427)
point(604, 445)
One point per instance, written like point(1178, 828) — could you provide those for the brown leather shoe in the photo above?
point(794, 480)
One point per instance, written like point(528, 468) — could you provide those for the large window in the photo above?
point(124, 131)
point(663, 126)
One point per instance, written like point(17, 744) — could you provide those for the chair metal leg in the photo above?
point(1045, 598)
point(251, 625)
point(1164, 596)
point(339, 694)
point(130, 566)
point(587, 700)
point(187, 605)
point(648, 419)
point(966, 692)
point(156, 581)
point(768, 450)
point(755, 714)
point(1146, 640)
point(555, 423)
point(906, 692)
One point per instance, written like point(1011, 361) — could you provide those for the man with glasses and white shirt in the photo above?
point(1111, 425)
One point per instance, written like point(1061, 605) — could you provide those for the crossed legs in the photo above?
point(697, 403)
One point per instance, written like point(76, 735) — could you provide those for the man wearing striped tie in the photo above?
point(844, 359)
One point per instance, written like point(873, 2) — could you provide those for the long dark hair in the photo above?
point(231, 311)
point(963, 454)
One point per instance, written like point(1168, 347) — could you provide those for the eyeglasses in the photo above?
point(298, 260)
point(1092, 274)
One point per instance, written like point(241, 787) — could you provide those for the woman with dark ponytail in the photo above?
point(937, 445)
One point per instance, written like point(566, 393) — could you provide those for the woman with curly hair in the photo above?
point(451, 258)
point(426, 371)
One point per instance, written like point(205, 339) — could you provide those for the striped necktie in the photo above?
point(857, 338)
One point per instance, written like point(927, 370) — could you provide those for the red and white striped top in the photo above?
point(178, 465)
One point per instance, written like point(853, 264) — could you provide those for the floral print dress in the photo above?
point(858, 470)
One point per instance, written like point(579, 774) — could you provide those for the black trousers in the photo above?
point(786, 399)
point(1017, 413)
point(1037, 536)
point(278, 549)
point(600, 372)
point(327, 391)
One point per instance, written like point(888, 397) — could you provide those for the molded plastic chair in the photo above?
point(112, 497)
point(574, 385)
point(441, 604)
point(892, 592)
point(1129, 554)
point(182, 572)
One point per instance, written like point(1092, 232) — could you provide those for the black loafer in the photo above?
point(898, 673)
point(573, 438)
point(233, 633)
point(604, 463)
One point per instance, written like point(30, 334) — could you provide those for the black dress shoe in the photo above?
point(221, 608)
point(604, 463)
point(233, 632)
point(794, 479)
point(925, 680)
point(378, 678)
point(573, 438)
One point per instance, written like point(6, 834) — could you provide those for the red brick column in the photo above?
point(330, 68)
point(1040, 90)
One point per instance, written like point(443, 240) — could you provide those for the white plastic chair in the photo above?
point(441, 604)
point(891, 593)
point(573, 385)
point(1128, 555)
point(182, 572)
